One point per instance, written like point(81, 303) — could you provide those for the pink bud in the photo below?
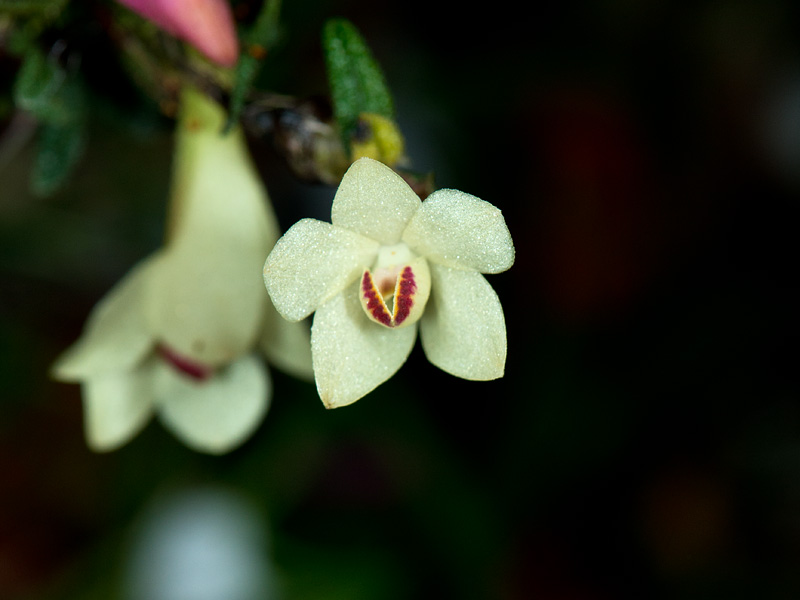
point(206, 24)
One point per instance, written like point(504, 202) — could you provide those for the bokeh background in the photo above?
point(645, 441)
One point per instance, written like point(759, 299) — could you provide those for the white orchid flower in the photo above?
point(385, 263)
point(178, 336)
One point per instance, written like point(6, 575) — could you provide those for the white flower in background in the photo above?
point(178, 336)
point(386, 262)
point(204, 543)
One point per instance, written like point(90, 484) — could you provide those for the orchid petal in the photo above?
point(215, 185)
point(207, 301)
point(217, 414)
point(287, 345)
point(115, 336)
point(208, 308)
point(313, 262)
point(463, 329)
point(352, 355)
point(458, 230)
point(116, 406)
point(374, 201)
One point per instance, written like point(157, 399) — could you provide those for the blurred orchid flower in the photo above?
point(206, 24)
point(384, 245)
point(177, 336)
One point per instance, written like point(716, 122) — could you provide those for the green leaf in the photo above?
point(38, 87)
point(56, 98)
point(59, 148)
point(356, 81)
point(256, 43)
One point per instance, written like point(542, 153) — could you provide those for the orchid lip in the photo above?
point(372, 300)
point(185, 365)
point(398, 278)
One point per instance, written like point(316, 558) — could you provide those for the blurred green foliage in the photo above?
point(258, 42)
point(55, 96)
point(31, 7)
point(645, 442)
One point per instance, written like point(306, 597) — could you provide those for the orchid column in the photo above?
point(178, 335)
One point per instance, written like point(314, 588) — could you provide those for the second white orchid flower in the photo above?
point(386, 264)
point(178, 336)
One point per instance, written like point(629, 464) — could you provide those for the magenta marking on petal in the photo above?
point(184, 364)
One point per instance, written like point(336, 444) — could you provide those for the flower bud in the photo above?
point(205, 24)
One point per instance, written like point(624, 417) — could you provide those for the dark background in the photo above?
point(645, 441)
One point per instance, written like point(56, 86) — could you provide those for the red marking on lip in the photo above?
point(375, 304)
point(185, 365)
point(404, 290)
point(404, 295)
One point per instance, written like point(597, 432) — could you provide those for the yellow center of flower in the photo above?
point(401, 277)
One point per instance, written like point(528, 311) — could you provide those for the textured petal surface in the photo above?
point(287, 345)
point(115, 336)
point(116, 406)
point(374, 201)
point(313, 262)
point(463, 330)
point(207, 301)
point(217, 414)
point(352, 355)
point(458, 230)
